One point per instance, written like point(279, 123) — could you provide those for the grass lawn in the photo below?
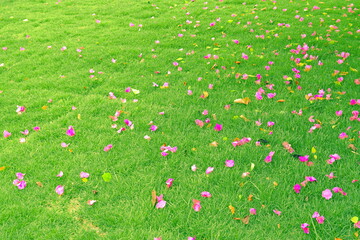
point(179, 119)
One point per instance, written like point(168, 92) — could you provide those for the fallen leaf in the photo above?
point(281, 100)
point(39, 184)
point(250, 197)
point(44, 107)
point(352, 146)
point(246, 220)
point(2, 168)
point(232, 209)
point(244, 118)
point(245, 100)
point(153, 197)
point(213, 144)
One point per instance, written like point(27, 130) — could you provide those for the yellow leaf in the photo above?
point(79, 116)
point(232, 209)
point(44, 107)
point(252, 166)
point(135, 91)
point(213, 144)
point(245, 100)
point(244, 118)
point(84, 179)
point(281, 100)
point(153, 197)
point(315, 156)
point(205, 94)
point(2, 168)
point(179, 59)
point(313, 150)
point(275, 184)
point(250, 197)
point(353, 69)
point(354, 219)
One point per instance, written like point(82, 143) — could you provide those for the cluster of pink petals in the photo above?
point(166, 149)
point(252, 211)
point(355, 116)
point(319, 219)
point(161, 203)
point(153, 128)
point(343, 135)
point(261, 91)
point(268, 158)
point(20, 109)
point(241, 141)
point(333, 158)
point(305, 228)
point(205, 194)
point(277, 212)
point(6, 134)
point(70, 131)
point(327, 194)
point(209, 170)
point(84, 175)
point(297, 187)
point(218, 127)
point(229, 163)
point(59, 190)
point(108, 147)
point(354, 102)
point(315, 126)
point(196, 205)
point(304, 158)
point(339, 190)
point(169, 182)
point(19, 182)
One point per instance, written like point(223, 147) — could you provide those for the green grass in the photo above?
point(124, 208)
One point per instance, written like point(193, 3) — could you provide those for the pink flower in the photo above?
point(153, 128)
point(218, 127)
point(36, 129)
point(59, 190)
point(327, 194)
point(229, 163)
point(64, 145)
point(25, 132)
point(20, 175)
point(70, 132)
point(196, 205)
point(169, 182)
point(320, 219)
point(343, 135)
point(199, 123)
point(209, 170)
point(310, 179)
point(305, 228)
point(108, 147)
point(20, 109)
point(269, 157)
point(297, 188)
point(277, 212)
point(252, 211)
point(84, 175)
point(304, 158)
point(161, 204)
point(331, 175)
point(60, 174)
point(236, 41)
point(7, 134)
point(206, 194)
point(271, 95)
point(269, 124)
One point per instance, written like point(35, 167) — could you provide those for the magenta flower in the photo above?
point(153, 128)
point(161, 203)
point(304, 158)
point(70, 132)
point(60, 174)
point(20, 175)
point(84, 175)
point(327, 194)
point(36, 128)
point(21, 185)
point(25, 132)
point(229, 163)
point(20, 109)
point(7, 134)
point(209, 170)
point(218, 127)
point(169, 182)
point(206, 194)
point(269, 124)
point(196, 205)
point(59, 190)
point(269, 157)
point(277, 212)
point(108, 147)
point(305, 228)
point(252, 211)
point(297, 188)
point(343, 135)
